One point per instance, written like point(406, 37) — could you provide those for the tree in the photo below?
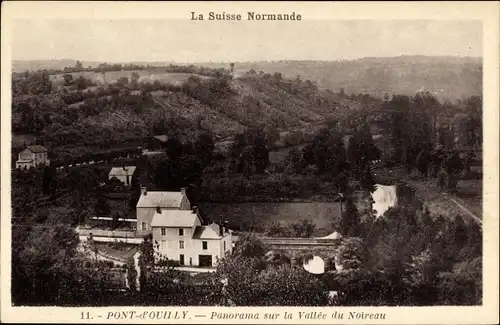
point(247, 282)
point(441, 179)
point(248, 245)
point(361, 150)
point(366, 181)
point(294, 161)
point(350, 221)
point(423, 163)
point(285, 285)
point(131, 274)
point(351, 254)
point(78, 66)
point(49, 183)
point(102, 208)
point(326, 152)
point(232, 67)
point(115, 221)
point(204, 147)
point(67, 79)
point(45, 270)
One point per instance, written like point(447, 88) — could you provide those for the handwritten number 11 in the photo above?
point(85, 315)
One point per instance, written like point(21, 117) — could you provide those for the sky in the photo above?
point(195, 41)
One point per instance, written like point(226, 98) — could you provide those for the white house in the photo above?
point(152, 201)
point(179, 235)
point(123, 174)
point(32, 156)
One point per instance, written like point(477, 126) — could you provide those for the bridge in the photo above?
point(298, 247)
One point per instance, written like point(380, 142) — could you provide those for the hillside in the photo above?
point(113, 109)
point(450, 77)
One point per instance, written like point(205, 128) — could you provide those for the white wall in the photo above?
point(192, 247)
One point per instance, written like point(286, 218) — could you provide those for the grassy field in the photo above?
point(279, 156)
point(144, 76)
point(259, 215)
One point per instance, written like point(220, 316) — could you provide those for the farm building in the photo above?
point(32, 156)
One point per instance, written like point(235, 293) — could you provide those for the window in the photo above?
point(163, 244)
point(204, 245)
point(163, 231)
point(181, 232)
point(181, 244)
point(144, 225)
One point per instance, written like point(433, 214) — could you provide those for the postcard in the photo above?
point(250, 162)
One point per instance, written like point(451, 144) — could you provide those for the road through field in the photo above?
point(465, 209)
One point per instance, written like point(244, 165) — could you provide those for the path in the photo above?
point(465, 209)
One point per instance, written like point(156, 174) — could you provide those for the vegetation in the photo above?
point(414, 258)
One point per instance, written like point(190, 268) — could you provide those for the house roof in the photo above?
point(162, 138)
point(207, 232)
point(174, 218)
point(154, 199)
point(36, 149)
point(122, 171)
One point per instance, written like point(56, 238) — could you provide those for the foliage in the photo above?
point(248, 245)
point(47, 271)
point(350, 222)
point(326, 152)
point(351, 254)
point(247, 283)
point(301, 229)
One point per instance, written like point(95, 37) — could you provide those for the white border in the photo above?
point(488, 12)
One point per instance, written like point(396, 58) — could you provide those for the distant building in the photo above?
point(152, 201)
point(32, 156)
point(123, 174)
point(158, 142)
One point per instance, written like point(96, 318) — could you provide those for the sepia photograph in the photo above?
point(244, 158)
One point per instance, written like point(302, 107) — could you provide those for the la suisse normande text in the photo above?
point(251, 15)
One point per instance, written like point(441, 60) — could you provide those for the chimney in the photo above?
point(195, 209)
point(144, 190)
point(183, 191)
point(124, 168)
point(221, 230)
point(225, 226)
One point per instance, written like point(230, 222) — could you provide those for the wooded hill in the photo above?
point(71, 110)
point(450, 77)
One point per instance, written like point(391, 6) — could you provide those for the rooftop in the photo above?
point(153, 199)
point(162, 138)
point(207, 232)
point(174, 218)
point(36, 149)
